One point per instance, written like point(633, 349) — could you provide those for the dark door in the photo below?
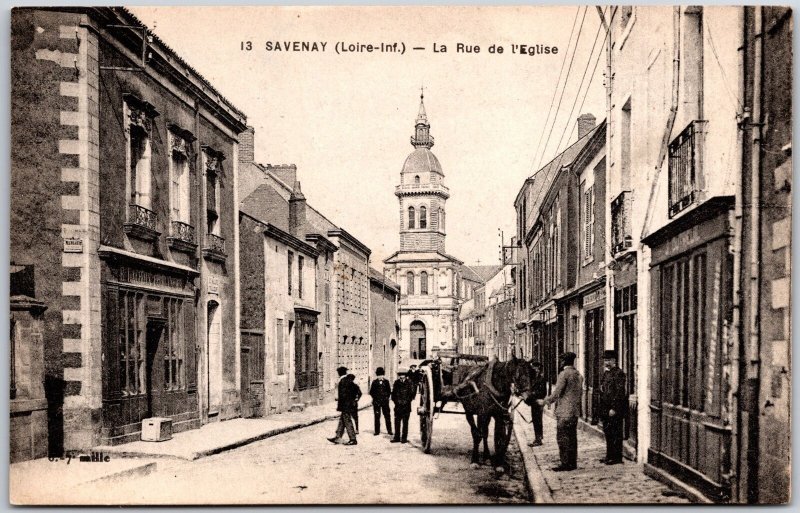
point(252, 374)
point(593, 359)
point(418, 348)
point(154, 375)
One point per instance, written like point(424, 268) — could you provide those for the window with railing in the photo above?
point(685, 167)
point(621, 232)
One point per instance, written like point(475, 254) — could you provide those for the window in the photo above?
point(410, 283)
point(423, 219)
point(179, 196)
point(279, 342)
point(131, 343)
point(625, 145)
point(441, 220)
point(588, 223)
point(212, 160)
point(174, 378)
point(300, 261)
point(423, 283)
point(289, 265)
point(411, 218)
point(140, 174)
point(416, 179)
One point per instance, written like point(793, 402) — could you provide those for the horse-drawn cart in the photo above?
point(447, 379)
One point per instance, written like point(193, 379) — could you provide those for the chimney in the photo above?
point(586, 123)
point(247, 145)
point(286, 173)
point(297, 211)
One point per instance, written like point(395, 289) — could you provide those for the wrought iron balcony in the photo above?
point(686, 167)
point(621, 232)
point(182, 237)
point(142, 223)
point(214, 248)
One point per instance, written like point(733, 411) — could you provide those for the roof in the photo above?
point(468, 274)
point(422, 160)
point(266, 205)
point(420, 256)
point(484, 272)
point(467, 307)
point(378, 277)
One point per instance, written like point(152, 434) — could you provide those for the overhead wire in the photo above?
point(563, 89)
point(555, 89)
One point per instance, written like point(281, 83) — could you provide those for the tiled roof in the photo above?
point(485, 272)
point(266, 205)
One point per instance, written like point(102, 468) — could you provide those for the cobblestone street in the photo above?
point(592, 482)
point(302, 467)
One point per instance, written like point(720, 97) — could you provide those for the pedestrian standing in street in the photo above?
point(613, 407)
point(351, 378)
point(538, 391)
point(381, 391)
point(413, 377)
point(345, 396)
point(567, 397)
point(402, 396)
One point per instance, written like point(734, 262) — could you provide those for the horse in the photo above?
point(492, 386)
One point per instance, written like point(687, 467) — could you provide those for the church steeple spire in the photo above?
point(422, 137)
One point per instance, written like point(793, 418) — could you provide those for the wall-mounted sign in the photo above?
point(73, 245)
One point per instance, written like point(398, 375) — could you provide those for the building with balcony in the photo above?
point(124, 173)
point(689, 94)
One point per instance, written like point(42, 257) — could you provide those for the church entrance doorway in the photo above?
point(417, 341)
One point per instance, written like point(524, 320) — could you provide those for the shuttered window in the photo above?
point(279, 343)
point(588, 223)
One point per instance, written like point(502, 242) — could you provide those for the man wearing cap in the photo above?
point(567, 396)
point(402, 395)
point(381, 391)
point(345, 397)
point(613, 407)
point(538, 391)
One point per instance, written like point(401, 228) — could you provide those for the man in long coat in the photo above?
point(402, 396)
point(567, 396)
point(538, 391)
point(381, 391)
point(345, 398)
point(613, 407)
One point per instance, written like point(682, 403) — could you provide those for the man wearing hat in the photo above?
point(381, 391)
point(613, 407)
point(567, 396)
point(345, 397)
point(538, 391)
point(402, 395)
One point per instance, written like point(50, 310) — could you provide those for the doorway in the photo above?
point(418, 349)
point(154, 378)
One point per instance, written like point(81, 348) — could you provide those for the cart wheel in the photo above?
point(425, 412)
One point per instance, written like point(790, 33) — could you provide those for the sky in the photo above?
point(345, 119)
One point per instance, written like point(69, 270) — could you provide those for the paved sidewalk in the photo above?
point(593, 482)
point(226, 435)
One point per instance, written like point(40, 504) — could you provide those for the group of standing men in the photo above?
point(402, 393)
point(567, 395)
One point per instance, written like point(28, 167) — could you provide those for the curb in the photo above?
point(542, 494)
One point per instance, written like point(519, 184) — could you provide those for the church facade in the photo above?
point(429, 278)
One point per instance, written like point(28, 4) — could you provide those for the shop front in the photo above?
point(149, 350)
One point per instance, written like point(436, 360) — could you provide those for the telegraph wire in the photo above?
point(555, 89)
point(560, 155)
point(563, 90)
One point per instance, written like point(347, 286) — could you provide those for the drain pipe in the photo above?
point(673, 112)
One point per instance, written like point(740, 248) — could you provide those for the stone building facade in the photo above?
point(428, 276)
point(126, 178)
point(384, 324)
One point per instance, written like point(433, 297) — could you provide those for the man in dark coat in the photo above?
point(613, 407)
point(351, 378)
point(538, 391)
point(402, 395)
point(381, 391)
point(345, 398)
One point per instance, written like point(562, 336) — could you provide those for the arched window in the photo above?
point(423, 282)
point(441, 219)
point(411, 217)
point(423, 217)
point(409, 283)
point(416, 179)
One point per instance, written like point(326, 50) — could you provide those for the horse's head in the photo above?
point(520, 377)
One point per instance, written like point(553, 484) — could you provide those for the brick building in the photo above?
point(124, 173)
